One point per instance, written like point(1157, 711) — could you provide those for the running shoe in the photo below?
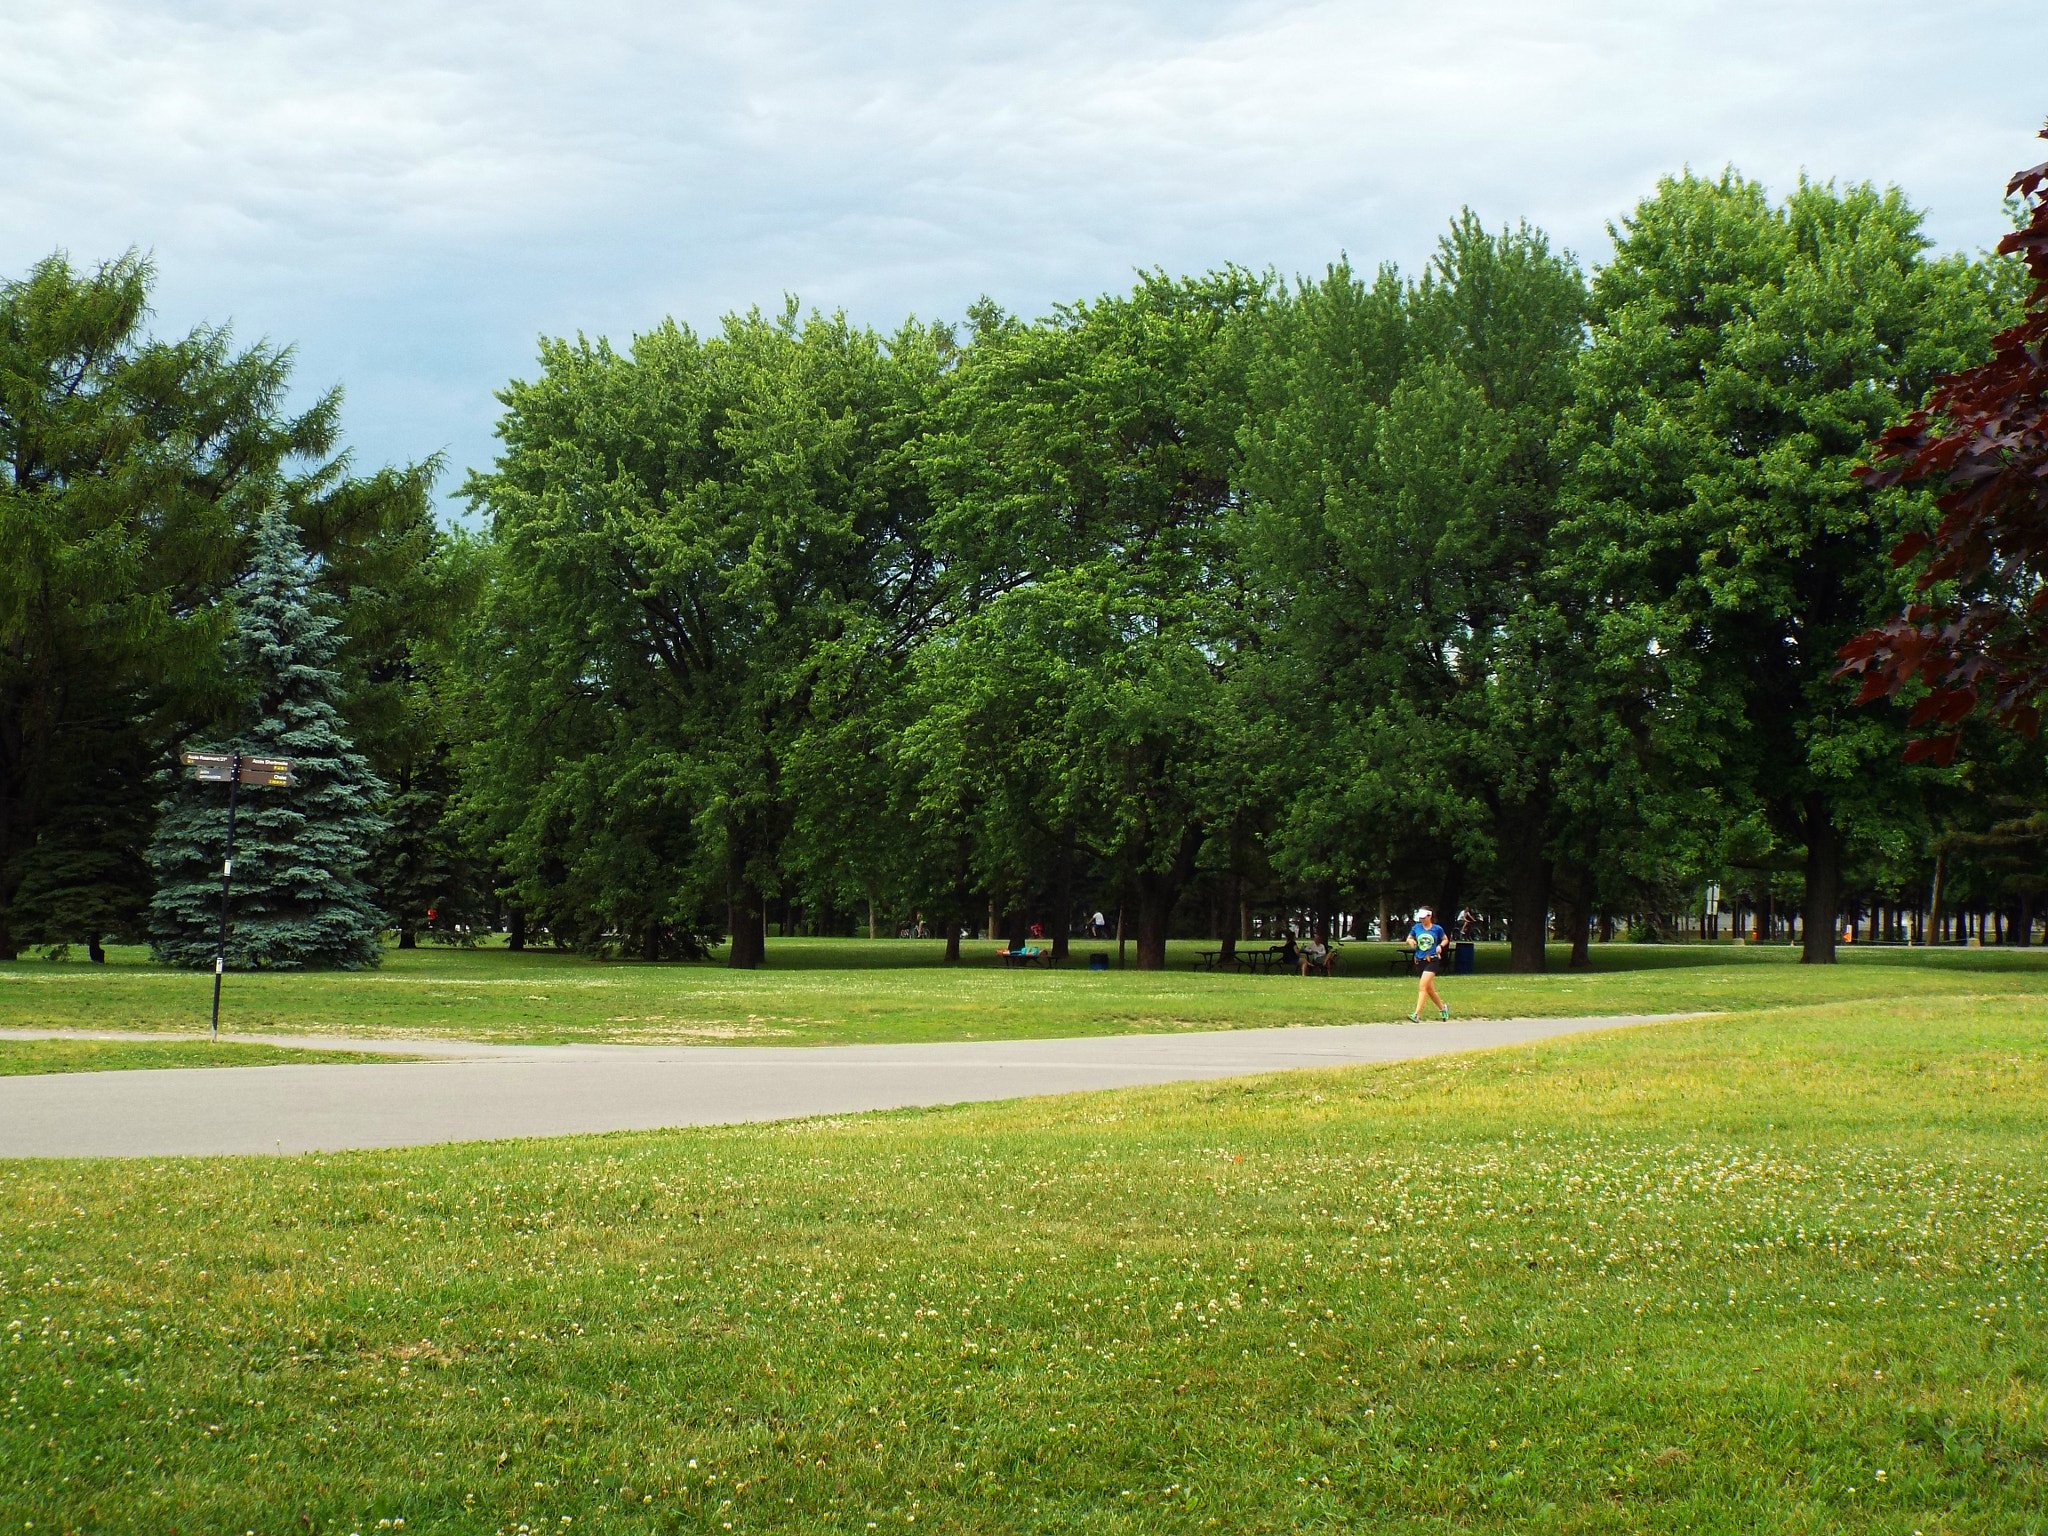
point(1414, 1018)
point(1447, 1015)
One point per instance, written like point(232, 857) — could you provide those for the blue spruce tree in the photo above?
point(299, 898)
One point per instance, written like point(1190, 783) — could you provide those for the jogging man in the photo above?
point(1426, 939)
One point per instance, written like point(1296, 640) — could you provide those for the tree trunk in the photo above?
point(515, 930)
point(406, 938)
point(1450, 895)
point(650, 943)
point(1575, 912)
point(1529, 878)
point(1233, 911)
point(1823, 883)
point(1156, 893)
point(1063, 895)
point(746, 919)
point(956, 911)
point(95, 951)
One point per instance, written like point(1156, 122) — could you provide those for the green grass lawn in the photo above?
point(835, 991)
point(1770, 1272)
point(22, 1057)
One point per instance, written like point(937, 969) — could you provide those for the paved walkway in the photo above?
point(474, 1092)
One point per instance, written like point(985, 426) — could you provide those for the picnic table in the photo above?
point(1260, 962)
point(1257, 961)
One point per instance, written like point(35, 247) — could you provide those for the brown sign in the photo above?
point(267, 772)
point(257, 772)
point(210, 767)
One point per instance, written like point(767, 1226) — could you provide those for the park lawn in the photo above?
point(842, 991)
point(24, 1057)
point(1774, 1272)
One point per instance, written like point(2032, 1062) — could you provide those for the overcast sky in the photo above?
point(410, 192)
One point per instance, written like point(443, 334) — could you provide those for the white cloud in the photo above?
point(411, 191)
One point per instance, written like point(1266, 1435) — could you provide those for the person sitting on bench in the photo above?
point(1317, 956)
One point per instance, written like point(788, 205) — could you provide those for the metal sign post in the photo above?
point(233, 769)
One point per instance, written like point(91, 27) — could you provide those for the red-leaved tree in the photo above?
point(1981, 442)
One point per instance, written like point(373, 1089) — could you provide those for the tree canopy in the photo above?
point(1513, 585)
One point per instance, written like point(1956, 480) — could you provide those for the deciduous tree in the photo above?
point(1744, 353)
point(1977, 630)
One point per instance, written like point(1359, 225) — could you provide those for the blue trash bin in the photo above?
point(1464, 959)
point(1098, 962)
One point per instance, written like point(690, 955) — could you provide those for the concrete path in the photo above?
point(474, 1092)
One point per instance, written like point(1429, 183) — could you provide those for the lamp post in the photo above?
point(233, 769)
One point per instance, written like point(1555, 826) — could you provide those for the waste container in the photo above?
point(1098, 962)
point(1463, 959)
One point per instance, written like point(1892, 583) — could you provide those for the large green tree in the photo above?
point(1083, 501)
point(133, 474)
point(1402, 473)
point(1745, 353)
point(709, 559)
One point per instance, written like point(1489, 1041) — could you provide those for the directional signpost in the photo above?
point(233, 769)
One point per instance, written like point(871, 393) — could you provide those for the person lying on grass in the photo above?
point(1426, 938)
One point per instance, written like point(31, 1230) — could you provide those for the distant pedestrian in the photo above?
point(1426, 939)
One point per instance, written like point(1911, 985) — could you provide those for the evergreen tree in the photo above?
point(86, 878)
point(134, 471)
point(299, 897)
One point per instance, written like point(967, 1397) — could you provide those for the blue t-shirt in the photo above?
point(1429, 943)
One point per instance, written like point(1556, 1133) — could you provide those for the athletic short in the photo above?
point(1430, 966)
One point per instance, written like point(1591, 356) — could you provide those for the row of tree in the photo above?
point(1500, 587)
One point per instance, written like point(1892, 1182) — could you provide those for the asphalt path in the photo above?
point(460, 1091)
